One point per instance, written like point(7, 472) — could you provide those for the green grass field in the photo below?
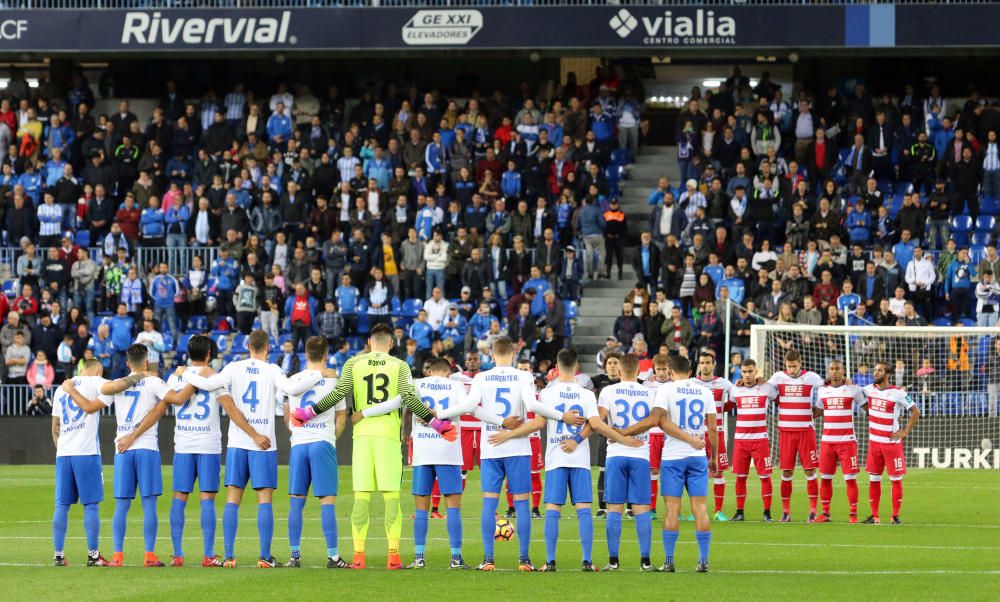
point(949, 548)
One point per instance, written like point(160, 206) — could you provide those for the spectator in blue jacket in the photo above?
point(958, 284)
point(436, 159)
point(32, 182)
point(903, 250)
point(122, 325)
point(453, 327)
point(859, 224)
point(479, 324)
point(510, 181)
point(102, 347)
point(162, 290)
point(601, 124)
point(58, 136)
point(54, 169)
point(540, 284)
point(733, 284)
point(379, 168)
point(347, 296)
point(591, 226)
point(153, 224)
point(226, 271)
point(279, 127)
point(421, 331)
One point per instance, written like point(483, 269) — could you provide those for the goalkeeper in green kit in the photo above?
point(373, 378)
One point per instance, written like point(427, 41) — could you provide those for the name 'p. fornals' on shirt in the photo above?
point(429, 447)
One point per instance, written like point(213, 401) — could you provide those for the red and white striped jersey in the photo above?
point(796, 395)
point(837, 404)
point(751, 410)
point(652, 384)
point(466, 379)
point(884, 407)
point(720, 389)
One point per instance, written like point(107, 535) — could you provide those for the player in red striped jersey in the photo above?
point(796, 436)
point(835, 402)
point(471, 426)
point(751, 398)
point(885, 439)
point(661, 375)
point(720, 388)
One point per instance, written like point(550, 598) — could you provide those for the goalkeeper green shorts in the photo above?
point(377, 464)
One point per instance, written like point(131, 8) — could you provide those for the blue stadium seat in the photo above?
point(103, 320)
point(986, 223)
point(620, 157)
point(895, 205)
point(572, 309)
point(10, 288)
point(182, 344)
point(990, 205)
point(961, 226)
point(221, 340)
point(168, 343)
point(942, 322)
point(82, 238)
point(411, 307)
point(273, 357)
point(968, 322)
point(980, 239)
point(364, 323)
point(256, 324)
point(282, 338)
point(197, 324)
point(356, 343)
point(395, 306)
point(240, 344)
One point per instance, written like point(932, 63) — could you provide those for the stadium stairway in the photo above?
point(602, 299)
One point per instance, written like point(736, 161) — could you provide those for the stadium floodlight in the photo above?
point(711, 83)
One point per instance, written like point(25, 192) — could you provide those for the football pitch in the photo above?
point(948, 548)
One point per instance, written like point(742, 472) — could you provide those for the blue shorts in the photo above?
point(79, 478)
point(260, 468)
point(313, 463)
point(577, 480)
point(203, 467)
point(449, 478)
point(138, 467)
point(687, 473)
point(517, 469)
point(627, 480)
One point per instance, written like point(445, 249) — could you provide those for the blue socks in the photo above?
point(208, 526)
point(669, 543)
point(60, 522)
point(296, 504)
point(118, 523)
point(454, 523)
point(328, 521)
point(613, 528)
point(587, 532)
point(523, 509)
point(230, 521)
point(644, 530)
point(265, 528)
point(420, 532)
point(177, 525)
point(704, 541)
point(91, 525)
point(488, 525)
point(149, 522)
point(551, 533)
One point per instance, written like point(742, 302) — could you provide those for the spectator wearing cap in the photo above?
point(571, 275)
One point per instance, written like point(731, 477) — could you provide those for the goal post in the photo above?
point(950, 372)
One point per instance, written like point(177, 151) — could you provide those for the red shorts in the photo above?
point(886, 456)
point(537, 457)
point(797, 443)
point(723, 456)
point(845, 452)
point(758, 450)
point(470, 447)
point(655, 450)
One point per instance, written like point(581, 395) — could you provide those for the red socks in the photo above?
point(786, 495)
point(852, 494)
point(720, 493)
point(825, 494)
point(741, 492)
point(766, 491)
point(435, 496)
point(812, 488)
point(536, 489)
point(510, 499)
point(897, 496)
point(656, 491)
point(874, 495)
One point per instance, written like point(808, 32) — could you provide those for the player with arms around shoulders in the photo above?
point(797, 390)
point(751, 398)
point(137, 466)
point(197, 449)
point(79, 474)
point(252, 455)
point(720, 388)
point(313, 459)
point(685, 411)
point(373, 378)
point(884, 403)
point(835, 403)
point(627, 469)
point(567, 455)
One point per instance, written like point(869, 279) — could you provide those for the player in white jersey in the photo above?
point(313, 459)
point(751, 398)
point(197, 449)
point(537, 455)
point(627, 469)
point(720, 393)
point(139, 464)
point(661, 375)
point(567, 455)
point(685, 411)
point(79, 474)
point(835, 403)
point(885, 439)
point(251, 456)
point(507, 393)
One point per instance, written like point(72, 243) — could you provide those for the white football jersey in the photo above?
point(687, 404)
point(78, 429)
point(429, 447)
point(324, 426)
point(196, 423)
point(253, 386)
point(132, 405)
point(567, 397)
point(627, 403)
point(503, 391)
point(652, 384)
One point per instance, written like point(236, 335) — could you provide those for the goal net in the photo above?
point(950, 372)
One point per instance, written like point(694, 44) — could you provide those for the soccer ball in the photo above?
point(504, 530)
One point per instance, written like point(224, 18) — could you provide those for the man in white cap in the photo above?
point(691, 199)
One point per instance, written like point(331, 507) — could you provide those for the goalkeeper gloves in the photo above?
point(301, 416)
point(445, 428)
